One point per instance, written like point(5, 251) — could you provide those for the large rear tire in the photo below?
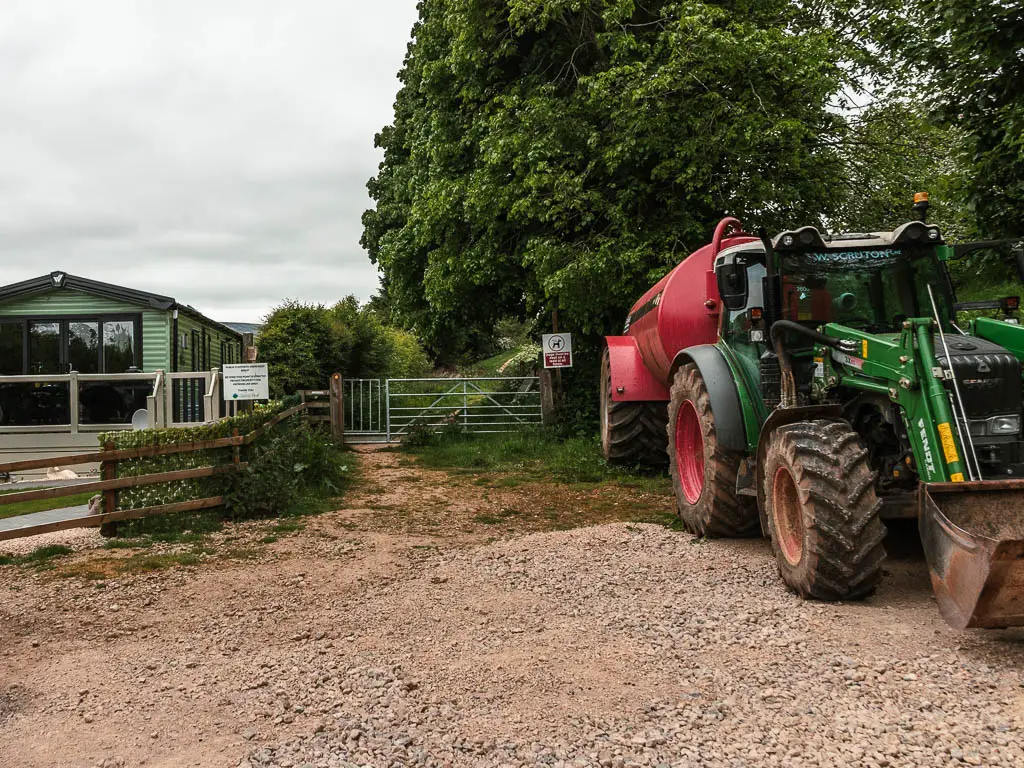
point(703, 474)
point(823, 512)
point(632, 434)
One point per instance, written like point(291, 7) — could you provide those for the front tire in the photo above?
point(703, 474)
point(632, 433)
point(823, 512)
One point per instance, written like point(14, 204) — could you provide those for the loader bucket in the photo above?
point(973, 537)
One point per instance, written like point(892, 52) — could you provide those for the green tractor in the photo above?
point(817, 385)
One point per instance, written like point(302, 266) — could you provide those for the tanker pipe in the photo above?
point(779, 327)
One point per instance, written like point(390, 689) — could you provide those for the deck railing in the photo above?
point(103, 402)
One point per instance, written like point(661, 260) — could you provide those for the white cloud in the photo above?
point(213, 151)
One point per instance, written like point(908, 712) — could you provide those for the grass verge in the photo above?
point(526, 455)
point(39, 558)
point(41, 505)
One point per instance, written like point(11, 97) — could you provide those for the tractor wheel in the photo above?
point(704, 475)
point(631, 433)
point(822, 511)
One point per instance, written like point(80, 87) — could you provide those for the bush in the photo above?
point(303, 344)
point(296, 464)
point(288, 468)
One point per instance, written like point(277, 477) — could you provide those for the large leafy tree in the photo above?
point(565, 153)
point(965, 60)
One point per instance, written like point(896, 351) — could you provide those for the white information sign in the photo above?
point(557, 350)
point(247, 381)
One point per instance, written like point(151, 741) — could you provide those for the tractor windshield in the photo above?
point(872, 290)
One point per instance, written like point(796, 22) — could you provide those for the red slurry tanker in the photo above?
point(808, 386)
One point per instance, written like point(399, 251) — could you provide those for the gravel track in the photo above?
point(614, 645)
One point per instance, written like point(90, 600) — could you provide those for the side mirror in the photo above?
point(732, 286)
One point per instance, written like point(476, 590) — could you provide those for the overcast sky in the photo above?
point(216, 151)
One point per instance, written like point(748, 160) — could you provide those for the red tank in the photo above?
point(681, 310)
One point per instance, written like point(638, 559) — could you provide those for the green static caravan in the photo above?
point(79, 357)
point(60, 323)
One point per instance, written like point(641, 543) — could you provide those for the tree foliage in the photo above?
point(969, 69)
point(303, 344)
point(566, 153)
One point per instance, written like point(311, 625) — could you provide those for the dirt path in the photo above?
point(436, 619)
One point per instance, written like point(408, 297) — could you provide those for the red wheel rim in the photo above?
point(690, 452)
point(789, 519)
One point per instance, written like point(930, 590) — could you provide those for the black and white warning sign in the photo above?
point(248, 381)
point(557, 350)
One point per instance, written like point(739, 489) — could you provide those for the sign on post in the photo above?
point(557, 350)
point(246, 381)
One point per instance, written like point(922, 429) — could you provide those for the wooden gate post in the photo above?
point(337, 408)
point(548, 401)
point(108, 471)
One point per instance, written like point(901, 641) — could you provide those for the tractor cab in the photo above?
point(870, 282)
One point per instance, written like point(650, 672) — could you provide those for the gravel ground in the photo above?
point(614, 645)
point(76, 538)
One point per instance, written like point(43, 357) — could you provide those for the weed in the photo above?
point(243, 553)
point(43, 555)
point(139, 543)
point(501, 516)
point(268, 539)
point(148, 563)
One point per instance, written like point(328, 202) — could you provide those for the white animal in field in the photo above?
point(56, 473)
point(96, 504)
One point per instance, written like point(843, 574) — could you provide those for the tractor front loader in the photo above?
point(815, 386)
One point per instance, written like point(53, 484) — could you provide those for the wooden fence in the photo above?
point(309, 410)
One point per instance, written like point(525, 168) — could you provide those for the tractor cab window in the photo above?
point(741, 276)
point(871, 290)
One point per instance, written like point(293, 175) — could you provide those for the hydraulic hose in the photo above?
point(779, 327)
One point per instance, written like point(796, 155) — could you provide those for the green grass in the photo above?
point(490, 365)
point(531, 454)
point(40, 558)
point(41, 505)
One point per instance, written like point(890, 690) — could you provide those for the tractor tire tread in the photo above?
point(843, 545)
point(634, 434)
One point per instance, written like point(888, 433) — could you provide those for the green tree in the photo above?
point(967, 65)
point(891, 150)
point(300, 346)
point(303, 344)
point(566, 153)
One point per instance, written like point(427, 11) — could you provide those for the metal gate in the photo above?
point(480, 405)
point(384, 411)
point(365, 410)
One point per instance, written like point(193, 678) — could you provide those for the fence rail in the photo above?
point(110, 484)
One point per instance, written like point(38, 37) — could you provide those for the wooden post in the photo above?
point(337, 408)
point(236, 451)
point(548, 412)
point(108, 469)
point(557, 393)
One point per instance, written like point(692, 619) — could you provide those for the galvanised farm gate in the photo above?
point(386, 410)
